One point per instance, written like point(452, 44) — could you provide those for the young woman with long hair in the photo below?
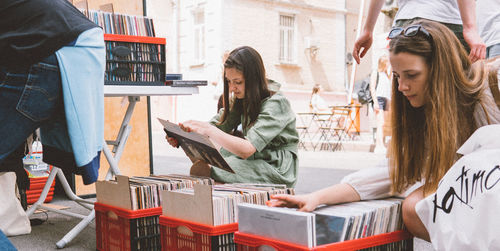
point(317, 103)
point(438, 100)
point(380, 88)
point(268, 151)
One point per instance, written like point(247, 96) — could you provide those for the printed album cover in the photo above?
point(196, 146)
point(284, 224)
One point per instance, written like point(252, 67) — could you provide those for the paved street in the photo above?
point(317, 169)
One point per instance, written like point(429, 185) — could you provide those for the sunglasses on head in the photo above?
point(409, 31)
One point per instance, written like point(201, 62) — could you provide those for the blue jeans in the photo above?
point(5, 244)
point(28, 98)
point(383, 104)
point(493, 51)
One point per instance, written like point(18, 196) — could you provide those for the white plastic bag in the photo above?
point(463, 213)
point(13, 219)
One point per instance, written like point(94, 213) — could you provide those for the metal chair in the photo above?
point(340, 128)
point(303, 128)
point(324, 122)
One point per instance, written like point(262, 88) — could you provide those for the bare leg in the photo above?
point(410, 217)
point(380, 128)
point(200, 168)
point(379, 143)
point(386, 123)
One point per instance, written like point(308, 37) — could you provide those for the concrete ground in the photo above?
point(317, 170)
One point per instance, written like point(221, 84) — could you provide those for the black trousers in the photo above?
point(14, 163)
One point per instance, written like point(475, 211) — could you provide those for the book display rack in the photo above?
point(205, 218)
point(398, 240)
point(199, 219)
point(365, 225)
point(127, 210)
point(134, 56)
point(134, 60)
point(114, 23)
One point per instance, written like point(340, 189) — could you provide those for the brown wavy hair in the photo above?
point(249, 62)
point(425, 139)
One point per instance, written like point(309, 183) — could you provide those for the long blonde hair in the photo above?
point(425, 139)
point(383, 64)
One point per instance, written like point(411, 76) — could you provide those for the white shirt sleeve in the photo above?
point(318, 103)
point(371, 183)
point(375, 182)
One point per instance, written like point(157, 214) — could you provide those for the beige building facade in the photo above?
point(302, 43)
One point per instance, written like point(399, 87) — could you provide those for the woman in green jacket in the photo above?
point(267, 152)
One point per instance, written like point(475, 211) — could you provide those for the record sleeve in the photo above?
point(196, 146)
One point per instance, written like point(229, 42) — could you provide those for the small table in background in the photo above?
point(353, 119)
point(304, 123)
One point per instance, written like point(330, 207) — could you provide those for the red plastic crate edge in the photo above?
point(134, 39)
point(32, 200)
point(371, 241)
point(376, 240)
point(257, 241)
point(126, 213)
point(198, 227)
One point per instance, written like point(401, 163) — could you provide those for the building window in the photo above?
point(199, 36)
point(287, 39)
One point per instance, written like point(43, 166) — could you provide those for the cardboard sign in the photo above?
point(195, 207)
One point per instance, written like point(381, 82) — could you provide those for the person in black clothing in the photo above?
point(31, 30)
point(51, 77)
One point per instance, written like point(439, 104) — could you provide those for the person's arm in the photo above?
point(236, 145)
point(373, 85)
point(313, 102)
point(471, 35)
point(365, 184)
point(365, 40)
point(339, 193)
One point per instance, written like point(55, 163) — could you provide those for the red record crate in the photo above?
point(182, 235)
point(124, 229)
point(36, 187)
point(398, 240)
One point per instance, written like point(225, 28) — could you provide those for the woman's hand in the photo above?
point(476, 44)
point(172, 141)
point(200, 127)
point(336, 194)
point(238, 146)
point(361, 46)
point(305, 203)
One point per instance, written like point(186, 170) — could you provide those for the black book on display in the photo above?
point(185, 83)
point(196, 146)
